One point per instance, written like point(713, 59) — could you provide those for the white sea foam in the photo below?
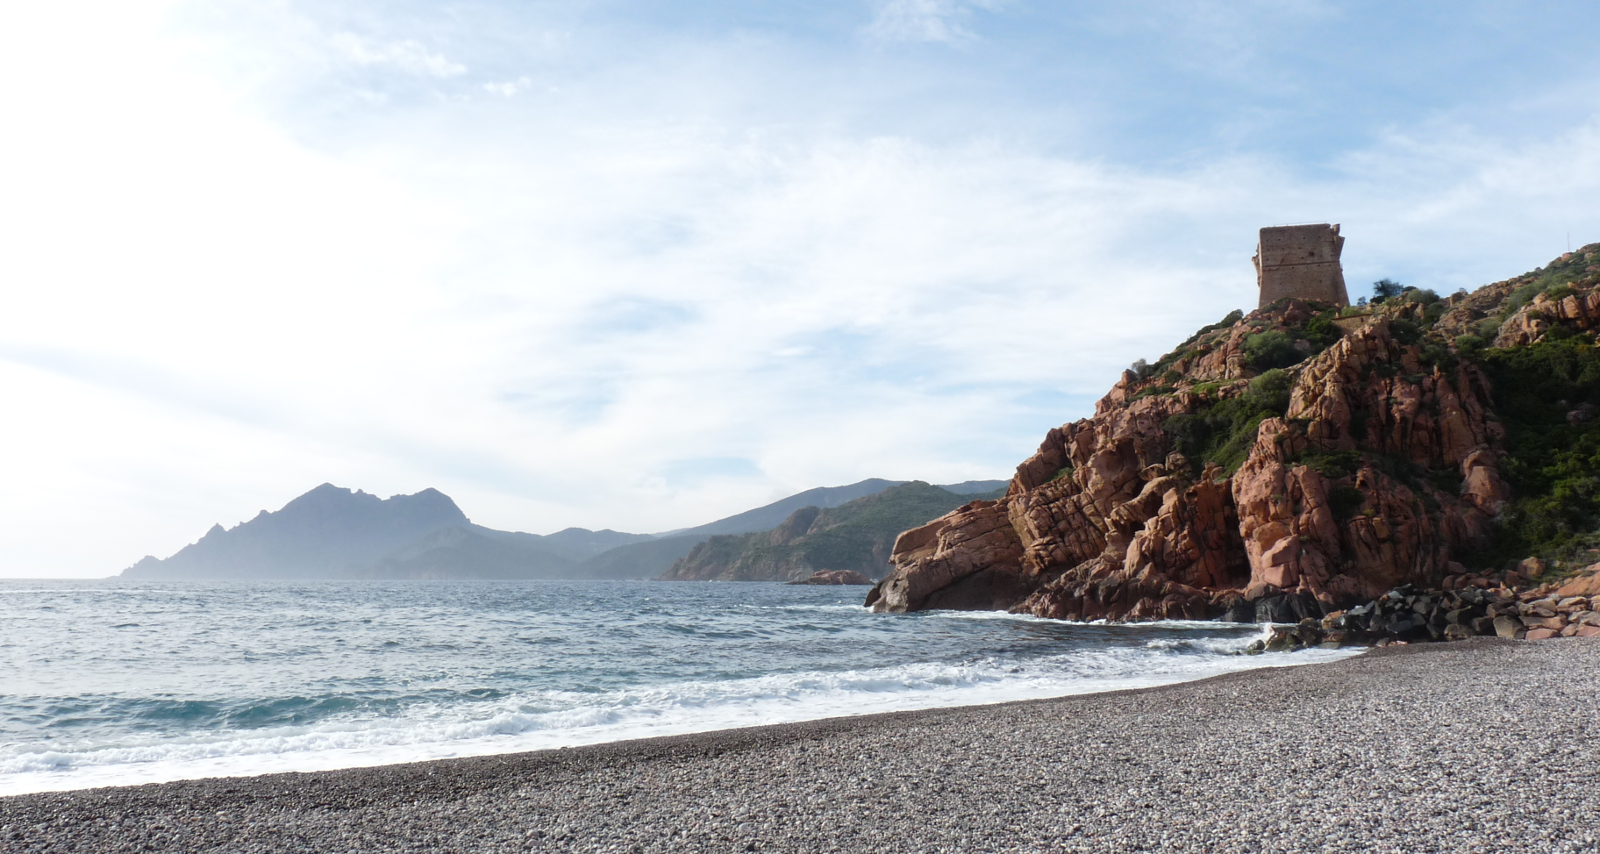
point(539, 720)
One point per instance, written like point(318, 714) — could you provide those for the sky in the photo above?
point(641, 265)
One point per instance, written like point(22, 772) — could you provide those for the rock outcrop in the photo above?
point(834, 578)
point(1297, 460)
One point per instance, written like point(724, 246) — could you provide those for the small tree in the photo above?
point(1383, 289)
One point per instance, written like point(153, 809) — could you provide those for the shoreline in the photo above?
point(1477, 745)
point(712, 720)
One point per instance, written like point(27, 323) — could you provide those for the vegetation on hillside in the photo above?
point(1223, 432)
point(857, 535)
point(1548, 398)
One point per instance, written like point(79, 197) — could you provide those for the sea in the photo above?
point(116, 683)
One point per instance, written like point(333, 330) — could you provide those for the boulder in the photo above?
point(1556, 623)
point(1586, 583)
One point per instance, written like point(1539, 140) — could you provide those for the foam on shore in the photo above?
point(542, 720)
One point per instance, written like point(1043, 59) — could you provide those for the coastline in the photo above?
point(1479, 745)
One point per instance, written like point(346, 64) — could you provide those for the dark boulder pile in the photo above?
point(1406, 615)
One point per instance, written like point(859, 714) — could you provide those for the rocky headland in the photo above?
point(1304, 459)
point(856, 536)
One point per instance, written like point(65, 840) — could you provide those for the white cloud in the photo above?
point(925, 20)
point(508, 88)
point(408, 55)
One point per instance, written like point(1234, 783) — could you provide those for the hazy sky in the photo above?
point(644, 264)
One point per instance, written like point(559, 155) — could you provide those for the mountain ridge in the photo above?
point(335, 532)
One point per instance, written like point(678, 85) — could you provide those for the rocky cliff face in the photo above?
point(1296, 460)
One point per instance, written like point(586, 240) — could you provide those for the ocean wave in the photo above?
point(531, 720)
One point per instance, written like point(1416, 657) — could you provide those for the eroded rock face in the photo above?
point(1381, 469)
point(968, 559)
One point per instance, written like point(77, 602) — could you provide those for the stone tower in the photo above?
point(1300, 261)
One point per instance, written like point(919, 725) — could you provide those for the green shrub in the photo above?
point(1404, 331)
point(1469, 345)
point(1321, 332)
point(1553, 465)
point(1224, 432)
point(1272, 349)
point(1333, 465)
point(1271, 390)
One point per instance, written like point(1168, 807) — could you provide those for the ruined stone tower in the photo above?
point(1300, 261)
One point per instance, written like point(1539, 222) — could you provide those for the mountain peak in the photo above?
point(327, 532)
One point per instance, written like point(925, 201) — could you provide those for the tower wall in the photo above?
point(1300, 261)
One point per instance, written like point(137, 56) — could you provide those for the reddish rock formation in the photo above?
point(1344, 495)
point(1206, 485)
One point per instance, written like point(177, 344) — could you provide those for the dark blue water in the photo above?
point(110, 682)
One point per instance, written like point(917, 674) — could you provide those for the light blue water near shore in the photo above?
point(107, 682)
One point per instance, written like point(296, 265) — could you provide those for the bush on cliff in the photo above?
point(1548, 395)
point(1271, 349)
point(1224, 432)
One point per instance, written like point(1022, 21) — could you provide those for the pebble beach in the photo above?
point(1484, 745)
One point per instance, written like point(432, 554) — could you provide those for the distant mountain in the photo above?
point(484, 553)
point(651, 559)
point(772, 515)
point(472, 552)
point(640, 560)
point(331, 532)
point(974, 487)
point(575, 544)
point(857, 535)
point(328, 532)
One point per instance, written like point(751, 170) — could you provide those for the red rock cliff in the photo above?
point(1365, 466)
